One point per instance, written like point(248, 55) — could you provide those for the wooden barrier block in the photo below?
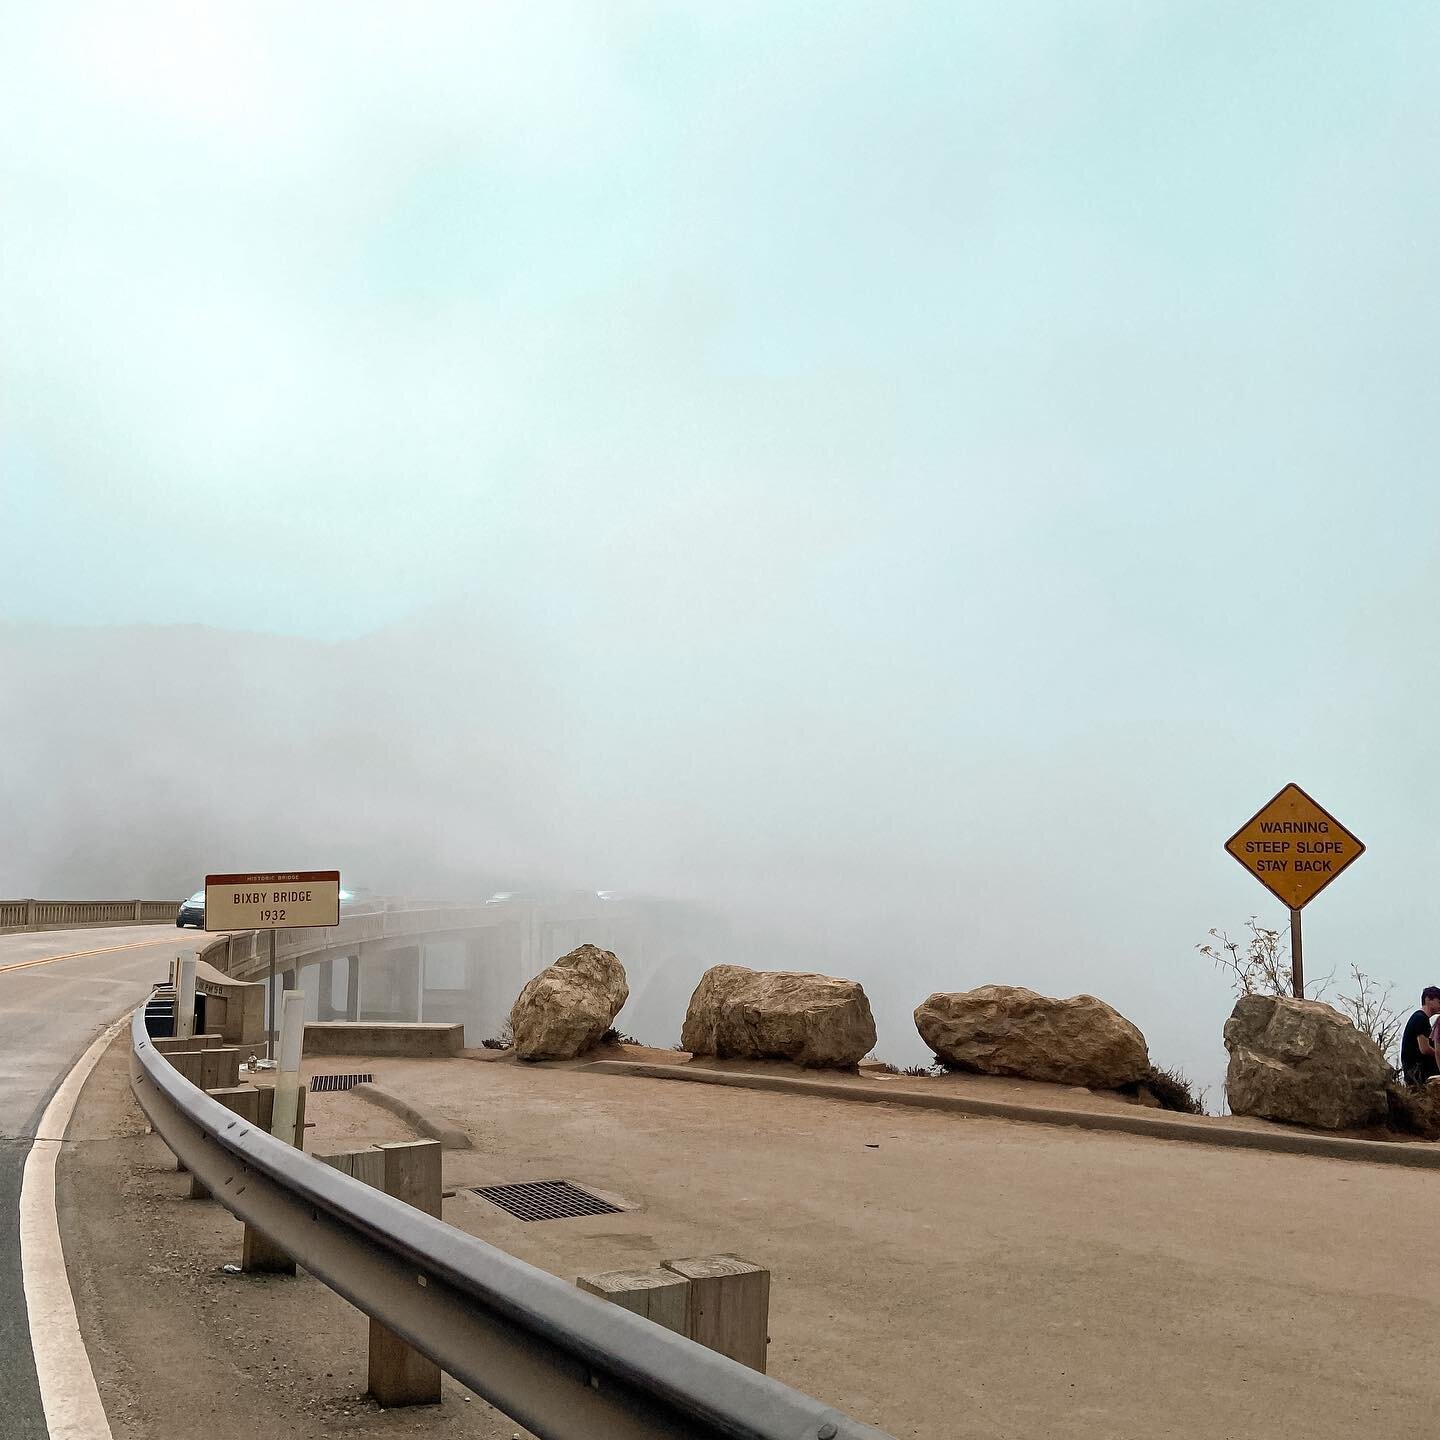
point(244, 1100)
point(187, 1062)
point(729, 1306)
point(219, 1068)
point(410, 1171)
point(658, 1294)
point(169, 1044)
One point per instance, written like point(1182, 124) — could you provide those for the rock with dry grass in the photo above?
point(814, 1020)
point(1008, 1030)
point(569, 1006)
point(1303, 1062)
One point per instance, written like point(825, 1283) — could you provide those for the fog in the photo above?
point(907, 481)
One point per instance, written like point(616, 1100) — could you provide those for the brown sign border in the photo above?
point(1255, 874)
point(273, 877)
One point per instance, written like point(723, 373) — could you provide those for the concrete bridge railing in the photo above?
point(18, 915)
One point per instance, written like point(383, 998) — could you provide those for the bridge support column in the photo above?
point(324, 1005)
point(352, 987)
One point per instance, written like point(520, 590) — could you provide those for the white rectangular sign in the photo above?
point(277, 900)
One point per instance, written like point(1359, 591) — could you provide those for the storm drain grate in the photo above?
point(320, 1083)
point(546, 1200)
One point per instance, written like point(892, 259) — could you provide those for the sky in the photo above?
point(921, 473)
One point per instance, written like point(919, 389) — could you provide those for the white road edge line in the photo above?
point(67, 1384)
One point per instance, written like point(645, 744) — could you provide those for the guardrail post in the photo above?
point(729, 1306)
point(287, 1123)
point(658, 1294)
point(410, 1171)
point(720, 1301)
point(244, 1100)
point(31, 914)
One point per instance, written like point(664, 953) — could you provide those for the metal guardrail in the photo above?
point(62, 914)
point(564, 1364)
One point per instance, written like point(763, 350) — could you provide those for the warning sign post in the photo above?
point(1294, 848)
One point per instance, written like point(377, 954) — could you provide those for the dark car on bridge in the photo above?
point(192, 911)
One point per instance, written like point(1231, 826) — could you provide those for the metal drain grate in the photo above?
point(321, 1083)
point(546, 1200)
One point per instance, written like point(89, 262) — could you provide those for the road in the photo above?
point(58, 989)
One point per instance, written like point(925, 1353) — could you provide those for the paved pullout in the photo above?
point(939, 1275)
point(58, 990)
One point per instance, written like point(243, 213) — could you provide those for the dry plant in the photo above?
point(1259, 964)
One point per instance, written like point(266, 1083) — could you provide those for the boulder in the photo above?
point(742, 1014)
point(1303, 1062)
point(569, 1005)
point(1008, 1030)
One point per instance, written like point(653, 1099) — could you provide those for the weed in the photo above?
point(1172, 1089)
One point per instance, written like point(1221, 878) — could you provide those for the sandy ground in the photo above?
point(935, 1275)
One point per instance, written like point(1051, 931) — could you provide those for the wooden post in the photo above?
point(719, 1301)
point(257, 1254)
point(244, 1100)
point(729, 1307)
point(410, 1171)
point(658, 1294)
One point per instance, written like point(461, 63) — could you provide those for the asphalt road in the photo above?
point(58, 990)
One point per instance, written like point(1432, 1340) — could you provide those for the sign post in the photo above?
point(1294, 849)
point(272, 900)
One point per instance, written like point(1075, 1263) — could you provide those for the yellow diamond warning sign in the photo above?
point(1293, 847)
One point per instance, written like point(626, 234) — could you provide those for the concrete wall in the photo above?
point(337, 1037)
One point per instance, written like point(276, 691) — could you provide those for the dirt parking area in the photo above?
point(935, 1275)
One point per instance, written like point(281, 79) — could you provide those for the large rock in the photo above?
point(742, 1014)
point(1008, 1030)
point(1301, 1061)
point(569, 1005)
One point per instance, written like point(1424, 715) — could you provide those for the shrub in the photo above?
point(619, 1037)
point(1172, 1089)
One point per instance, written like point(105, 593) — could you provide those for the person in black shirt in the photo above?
point(1418, 1061)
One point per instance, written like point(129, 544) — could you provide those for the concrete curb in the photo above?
point(449, 1136)
point(1197, 1132)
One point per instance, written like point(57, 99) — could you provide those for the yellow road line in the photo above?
point(75, 955)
